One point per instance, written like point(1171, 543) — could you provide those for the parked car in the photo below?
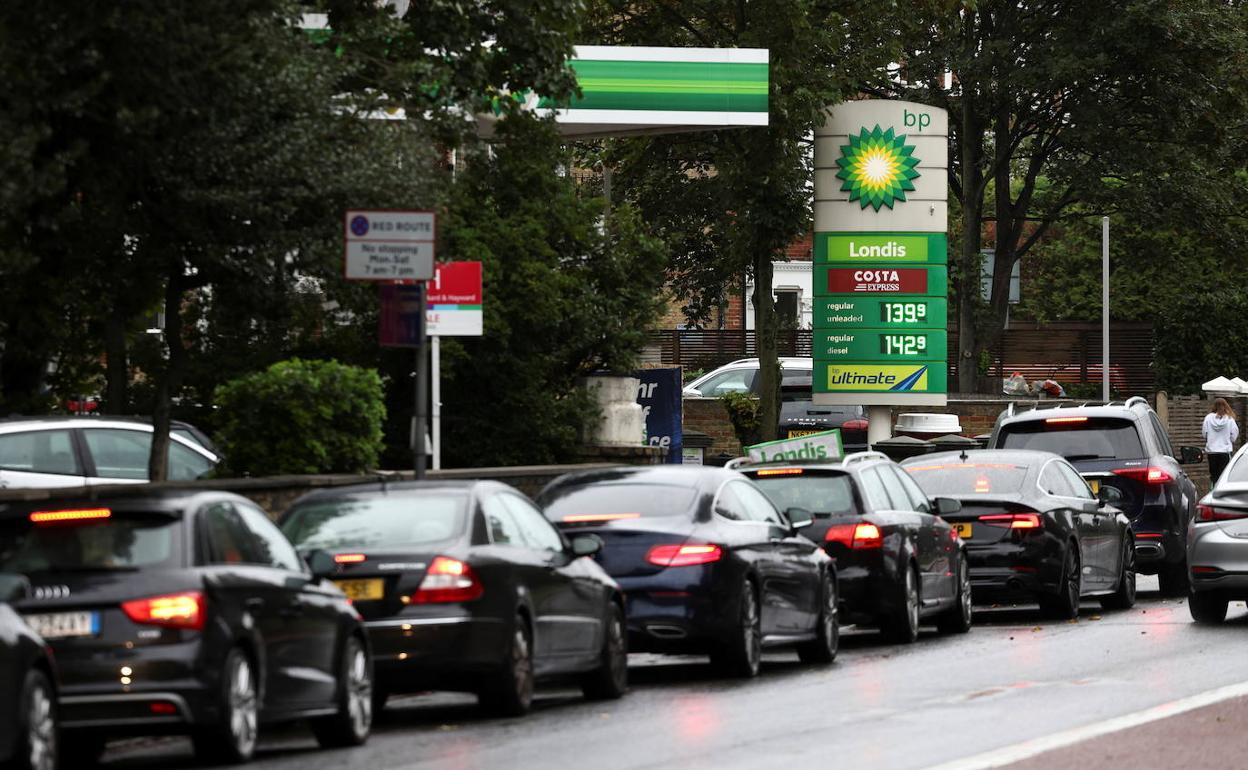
point(800, 417)
point(741, 376)
point(1121, 445)
point(1032, 526)
point(28, 714)
point(185, 611)
point(1217, 544)
point(897, 561)
point(466, 586)
point(81, 451)
point(708, 563)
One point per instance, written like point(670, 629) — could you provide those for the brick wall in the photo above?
point(708, 415)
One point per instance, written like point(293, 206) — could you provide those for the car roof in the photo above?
point(199, 442)
point(1129, 410)
point(384, 487)
point(1026, 457)
point(754, 362)
point(667, 474)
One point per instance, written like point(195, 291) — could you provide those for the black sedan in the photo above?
point(897, 560)
point(186, 612)
point(28, 717)
point(465, 586)
point(1033, 527)
point(709, 565)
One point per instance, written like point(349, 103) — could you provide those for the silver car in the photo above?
point(1217, 544)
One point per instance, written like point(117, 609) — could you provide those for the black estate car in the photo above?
point(184, 611)
point(897, 560)
point(1033, 527)
point(708, 563)
point(28, 715)
point(1125, 446)
point(466, 586)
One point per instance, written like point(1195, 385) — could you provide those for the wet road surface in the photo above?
point(1013, 678)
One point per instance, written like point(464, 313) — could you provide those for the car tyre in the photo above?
point(511, 691)
point(610, 680)
point(901, 626)
point(742, 654)
point(1123, 597)
point(958, 618)
point(1064, 605)
point(353, 722)
point(1172, 579)
point(36, 744)
point(232, 740)
point(1207, 608)
point(822, 650)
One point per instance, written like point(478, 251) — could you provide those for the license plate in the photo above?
point(62, 625)
point(800, 433)
point(1096, 486)
point(963, 530)
point(362, 590)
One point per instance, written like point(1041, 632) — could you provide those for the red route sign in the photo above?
point(877, 280)
point(455, 283)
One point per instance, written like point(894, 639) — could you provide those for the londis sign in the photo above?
point(882, 280)
point(817, 446)
point(931, 248)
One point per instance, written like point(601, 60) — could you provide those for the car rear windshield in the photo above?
point(968, 478)
point(389, 521)
point(604, 502)
point(1075, 438)
point(89, 539)
point(817, 492)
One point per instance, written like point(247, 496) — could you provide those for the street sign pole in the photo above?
point(1105, 308)
point(435, 379)
point(419, 417)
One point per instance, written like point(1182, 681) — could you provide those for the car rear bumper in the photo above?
point(679, 610)
point(1005, 569)
point(1217, 561)
point(135, 712)
point(435, 652)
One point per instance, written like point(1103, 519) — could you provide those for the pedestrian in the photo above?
point(1220, 432)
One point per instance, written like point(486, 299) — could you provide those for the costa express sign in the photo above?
point(883, 280)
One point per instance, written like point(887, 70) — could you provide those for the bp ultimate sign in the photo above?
point(881, 255)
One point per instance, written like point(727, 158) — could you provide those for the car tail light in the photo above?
point(448, 580)
point(862, 535)
point(1012, 520)
point(1145, 475)
point(162, 708)
point(1210, 513)
point(854, 425)
point(184, 610)
point(61, 517)
point(1149, 535)
point(1205, 570)
point(349, 558)
point(581, 518)
point(688, 555)
point(1065, 420)
point(780, 472)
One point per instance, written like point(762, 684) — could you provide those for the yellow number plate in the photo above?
point(1096, 486)
point(800, 433)
point(362, 590)
point(963, 530)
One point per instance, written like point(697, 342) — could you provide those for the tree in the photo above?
point(1061, 110)
point(728, 202)
point(570, 289)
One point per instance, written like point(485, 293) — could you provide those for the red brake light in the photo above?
point(1063, 420)
point(687, 555)
point(57, 517)
point(862, 535)
point(854, 425)
point(162, 708)
point(349, 558)
point(580, 518)
point(184, 610)
point(1209, 513)
point(1146, 475)
point(780, 472)
point(448, 580)
point(1012, 520)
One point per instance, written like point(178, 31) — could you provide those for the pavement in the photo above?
point(1016, 689)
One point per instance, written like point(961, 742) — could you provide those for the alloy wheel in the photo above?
point(753, 637)
point(522, 666)
point(359, 691)
point(964, 588)
point(1073, 576)
point(617, 655)
point(243, 706)
point(912, 601)
point(41, 728)
point(831, 620)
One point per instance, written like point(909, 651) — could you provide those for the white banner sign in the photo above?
point(389, 245)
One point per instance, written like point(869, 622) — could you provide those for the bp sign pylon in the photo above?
point(881, 255)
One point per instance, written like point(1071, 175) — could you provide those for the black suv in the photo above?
point(1121, 445)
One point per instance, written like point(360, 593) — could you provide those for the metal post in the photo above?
point(879, 424)
point(1105, 308)
point(435, 382)
point(419, 418)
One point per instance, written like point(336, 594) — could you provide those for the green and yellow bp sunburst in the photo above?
point(877, 168)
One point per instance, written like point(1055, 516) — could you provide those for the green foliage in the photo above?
point(1201, 338)
point(301, 417)
point(745, 414)
point(570, 288)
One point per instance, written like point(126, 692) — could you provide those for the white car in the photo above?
point(78, 451)
point(741, 376)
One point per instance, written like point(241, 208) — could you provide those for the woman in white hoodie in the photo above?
point(1220, 432)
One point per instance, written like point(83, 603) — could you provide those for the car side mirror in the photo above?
point(586, 545)
point(1108, 495)
point(1189, 455)
point(320, 563)
point(14, 588)
point(946, 505)
point(799, 518)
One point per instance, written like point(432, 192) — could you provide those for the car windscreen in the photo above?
point(384, 521)
point(606, 502)
point(817, 492)
point(1075, 438)
point(968, 478)
point(89, 539)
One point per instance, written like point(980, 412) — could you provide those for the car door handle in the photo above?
point(254, 603)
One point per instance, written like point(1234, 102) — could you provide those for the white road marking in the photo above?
point(1028, 749)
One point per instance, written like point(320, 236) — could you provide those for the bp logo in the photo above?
point(877, 168)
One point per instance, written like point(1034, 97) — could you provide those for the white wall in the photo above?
point(786, 275)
